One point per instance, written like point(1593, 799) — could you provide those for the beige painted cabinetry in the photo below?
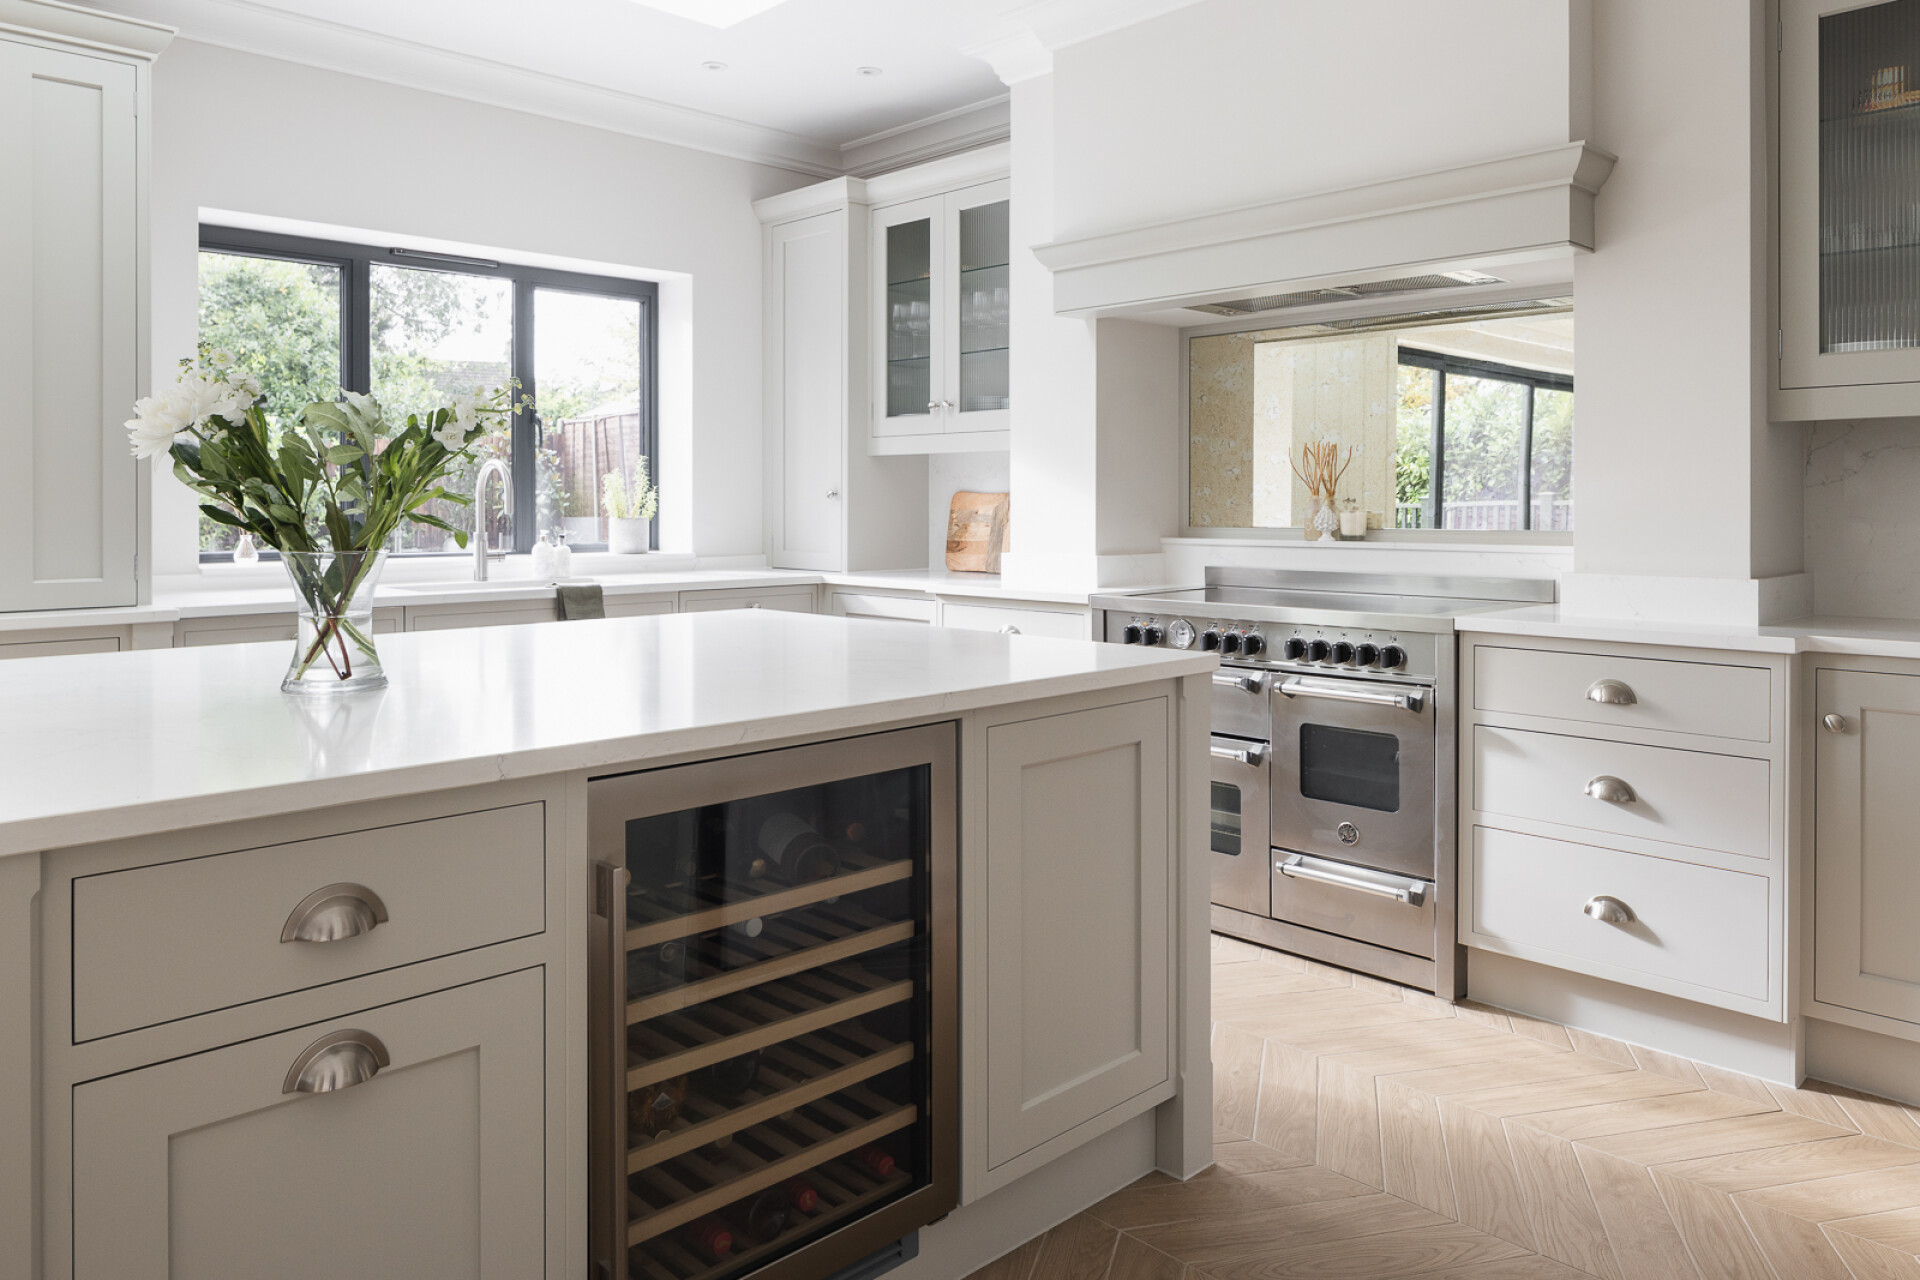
point(1624, 815)
point(72, 297)
point(1866, 828)
point(1069, 1026)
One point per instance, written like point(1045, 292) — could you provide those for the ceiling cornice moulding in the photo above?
point(1059, 23)
point(1016, 57)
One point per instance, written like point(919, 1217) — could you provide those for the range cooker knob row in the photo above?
point(1152, 634)
point(1230, 642)
point(1131, 635)
point(1342, 653)
point(1366, 654)
point(1393, 657)
point(1209, 639)
point(1293, 649)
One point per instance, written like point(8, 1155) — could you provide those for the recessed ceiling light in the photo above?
point(715, 13)
point(869, 71)
point(714, 66)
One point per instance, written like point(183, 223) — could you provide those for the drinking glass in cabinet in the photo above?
point(984, 270)
point(909, 317)
point(1870, 178)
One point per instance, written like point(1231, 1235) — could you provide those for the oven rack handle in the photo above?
point(1354, 691)
point(1253, 754)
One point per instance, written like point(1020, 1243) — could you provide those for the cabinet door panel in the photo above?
point(807, 359)
point(67, 328)
point(979, 258)
point(1077, 829)
point(202, 1168)
point(911, 290)
point(1866, 811)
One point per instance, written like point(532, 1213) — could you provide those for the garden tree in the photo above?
point(1485, 429)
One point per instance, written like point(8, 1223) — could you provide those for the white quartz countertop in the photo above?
point(1870, 637)
point(103, 746)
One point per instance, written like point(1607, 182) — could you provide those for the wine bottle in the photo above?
point(874, 1161)
point(763, 1218)
point(652, 1109)
point(729, 1081)
point(710, 1236)
point(794, 851)
point(654, 968)
point(801, 1195)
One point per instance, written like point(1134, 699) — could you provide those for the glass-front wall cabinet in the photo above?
point(941, 266)
point(1850, 208)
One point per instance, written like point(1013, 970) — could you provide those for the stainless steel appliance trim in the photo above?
point(1249, 753)
point(1331, 948)
point(1516, 590)
point(1250, 681)
point(607, 1069)
point(1361, 879)
point(1348, 689)
point(1243, 880)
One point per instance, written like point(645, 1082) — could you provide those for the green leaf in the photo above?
point(343, 454)
point(223, 515)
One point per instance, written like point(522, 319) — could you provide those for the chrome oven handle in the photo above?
point(1255, 683)
point(1253, 754)
point(1354, 691)
point(1412, 892)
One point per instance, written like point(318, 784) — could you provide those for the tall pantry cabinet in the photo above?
point(74, 85)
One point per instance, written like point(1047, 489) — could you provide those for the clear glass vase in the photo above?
point(334, 651)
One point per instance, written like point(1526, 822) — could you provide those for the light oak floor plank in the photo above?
point(1566, 1222)
point(1017, 1265)
point(1216, 1243)
point(1639, 1114)
point(1712, 1137)
point(1133, 1260)
point(1206, 1199)
point(1236, 1079)
point(1081, 1248)
point(1645, 1241)
point(1802, 1162)
point(1397, 1255)
point(1713, 1230)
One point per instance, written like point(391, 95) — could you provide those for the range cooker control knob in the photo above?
point(1151, 635)
point(1393, 657)
point(1294, 649)
point(1131, 635)
point(1342, 652)
point(1366, 654)
point(1230, 642)
point(1319, 651)
point(1209, 639)
point(1253, 644)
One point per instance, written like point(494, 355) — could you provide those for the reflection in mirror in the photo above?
point(1461, 422)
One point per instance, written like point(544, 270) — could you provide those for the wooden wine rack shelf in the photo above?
point(676, 1192)
point(844, 1188)
point(664, 915)
point(792, 1073)
point(684, 1041)
point(723, 963)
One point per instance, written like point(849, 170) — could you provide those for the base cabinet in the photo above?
point(215, 1165)
point(1077, 1021)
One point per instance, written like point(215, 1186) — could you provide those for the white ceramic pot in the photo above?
point(626, 537)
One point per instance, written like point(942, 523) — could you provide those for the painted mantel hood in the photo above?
point(1528, 208)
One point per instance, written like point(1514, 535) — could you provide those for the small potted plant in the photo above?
point(630, 501)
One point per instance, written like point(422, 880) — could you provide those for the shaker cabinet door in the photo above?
point(208, 1167)
point(1866, 814)
point(1077, 1018)
point(68, 313)
point(806, 363)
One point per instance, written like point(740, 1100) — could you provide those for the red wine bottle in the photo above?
point(801, 1195)
point(762, 1218)
point(874, 1161)
point(709, 1236)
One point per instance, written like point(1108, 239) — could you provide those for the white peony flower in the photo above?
point(220, 359)
point(451, 435)
point(151, 430)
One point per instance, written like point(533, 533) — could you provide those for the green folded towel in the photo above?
point(584, 601)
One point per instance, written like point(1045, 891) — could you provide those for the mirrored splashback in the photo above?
point(1459, 421)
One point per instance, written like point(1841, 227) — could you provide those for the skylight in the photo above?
point(714, 13)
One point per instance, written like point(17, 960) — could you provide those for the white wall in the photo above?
point(1239, 102)
point(1137, 376)
point(951, 473)
point(235, 131)
point(1862, 522)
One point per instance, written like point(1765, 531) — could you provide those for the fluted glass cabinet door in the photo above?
point(913, 290)
point(1849, 194)
point(980, 270)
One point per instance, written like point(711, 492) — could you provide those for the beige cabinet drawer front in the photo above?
point(168, 941)
point(857, 604)
point(1025, 622)
point(1693, 798)
point(1709, 698)
point(1701, 926)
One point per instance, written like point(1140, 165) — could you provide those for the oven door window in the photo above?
point(1225, 820)
point(1354, 767)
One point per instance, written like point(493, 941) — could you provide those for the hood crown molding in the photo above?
point(1522, 208)
point(90, 28)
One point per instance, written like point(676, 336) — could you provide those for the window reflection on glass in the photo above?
point(281, 321)
point(587, 379)
point(984, 309)
point(1226, 819)
point(909, 318)
point(435, 335)
point(1485, 425)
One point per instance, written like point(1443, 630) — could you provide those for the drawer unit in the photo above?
point(1694, 798)
point(1701, 932)
point(1023, 622)
point(1708, 698)
point(790, 599)
point(868, 604)
point(174, 939)
point(60, 648)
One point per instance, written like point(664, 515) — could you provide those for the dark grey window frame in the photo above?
point(356, 261)
point(1442, 365)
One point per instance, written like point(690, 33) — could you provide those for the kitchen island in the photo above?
point(164, 814)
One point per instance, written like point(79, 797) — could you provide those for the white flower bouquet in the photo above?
point(326, 492)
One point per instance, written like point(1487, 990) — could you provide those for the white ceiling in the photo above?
point(792, 69)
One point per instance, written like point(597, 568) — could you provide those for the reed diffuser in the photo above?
point(1320, 469)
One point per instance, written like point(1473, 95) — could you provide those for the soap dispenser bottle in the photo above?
point(543, 559)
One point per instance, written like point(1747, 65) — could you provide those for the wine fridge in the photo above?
point(773, 1080)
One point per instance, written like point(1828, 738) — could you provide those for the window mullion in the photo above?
point(1526, 463)
point(525, 424)
point(357, 334)
point(1437, 467)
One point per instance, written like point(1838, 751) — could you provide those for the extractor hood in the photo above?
point(1444, 233)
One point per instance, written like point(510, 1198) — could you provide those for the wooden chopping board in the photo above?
point(976, 532)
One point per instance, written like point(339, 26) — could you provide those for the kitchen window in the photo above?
point(1482, 446)
point(310, 317)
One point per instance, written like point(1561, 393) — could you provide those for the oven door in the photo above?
point(1353, 772)
point(1237, 822)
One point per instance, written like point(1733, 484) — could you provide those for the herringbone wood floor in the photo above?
point(1366, 1132)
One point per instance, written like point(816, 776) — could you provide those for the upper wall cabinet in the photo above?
point(1849, 296)
point(72, 303)
point(940, 289)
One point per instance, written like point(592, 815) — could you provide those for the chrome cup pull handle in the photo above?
point(338, 1060)
point(1608, 910)
point(1611, 693)
point(1835, 722)
point(333, 912)
point(1612, 790)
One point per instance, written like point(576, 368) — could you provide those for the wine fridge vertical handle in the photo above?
point(607, 1071)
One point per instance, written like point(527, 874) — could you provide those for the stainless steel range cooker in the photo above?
point(1333, 756)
